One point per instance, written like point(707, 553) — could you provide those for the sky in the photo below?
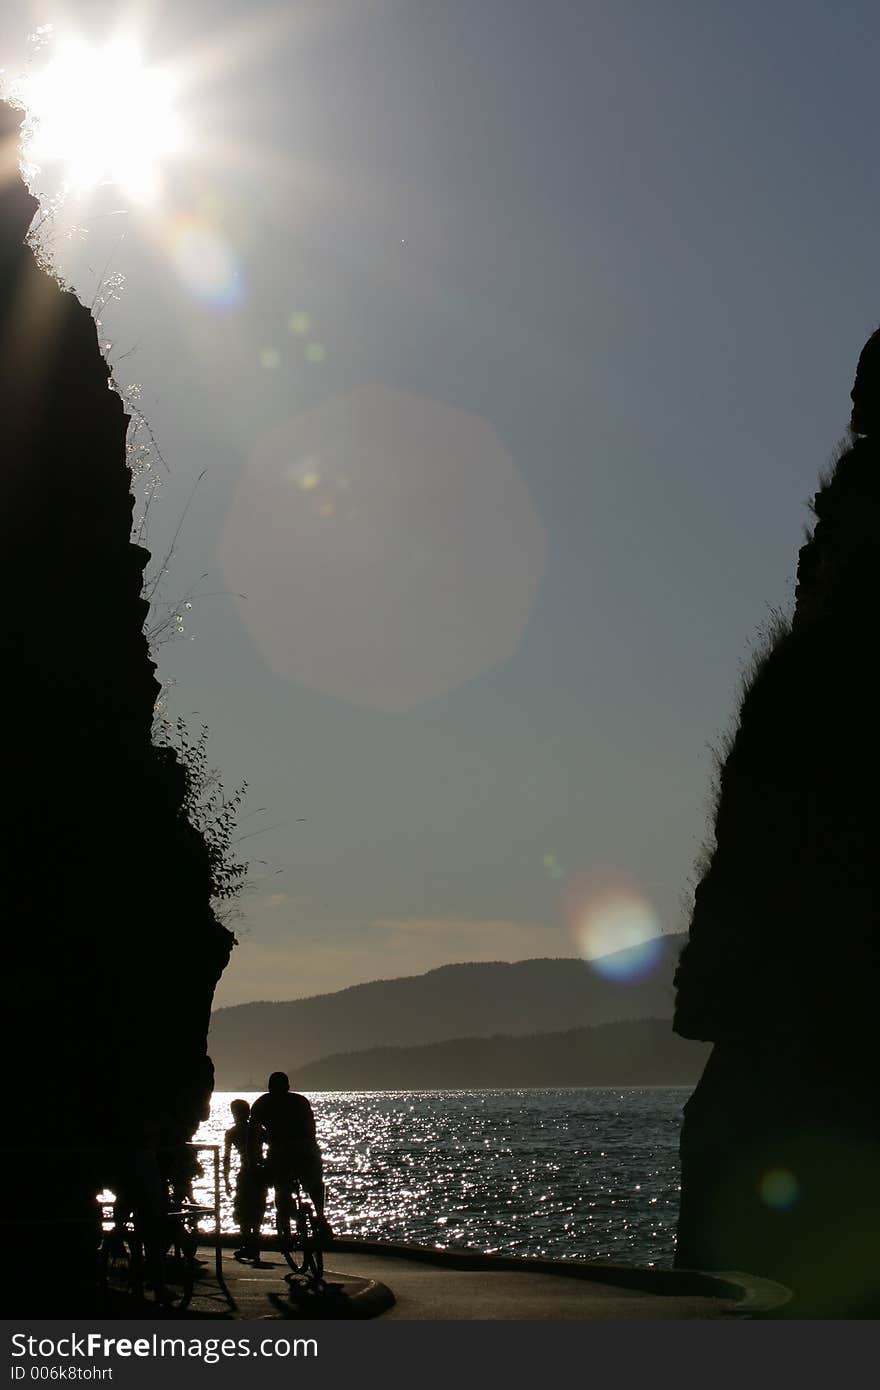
point(508, 342)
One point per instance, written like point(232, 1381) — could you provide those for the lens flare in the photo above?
point(552, 866)
point(321, 491)
point(614, 927)
point(205, 263)
point(388, 546)
point(779, 1189)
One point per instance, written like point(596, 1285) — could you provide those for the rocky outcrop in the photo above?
point(781, 1141)
point(111, 950)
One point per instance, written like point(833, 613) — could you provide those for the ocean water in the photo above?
point(585, 1173)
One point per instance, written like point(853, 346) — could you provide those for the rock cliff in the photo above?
point(111, 950)
point(781, 1141)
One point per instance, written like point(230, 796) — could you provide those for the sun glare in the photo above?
point(103, 114)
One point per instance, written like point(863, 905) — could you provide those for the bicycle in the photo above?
point(121, 1261)
point(303, 1250)
point(125, 1267)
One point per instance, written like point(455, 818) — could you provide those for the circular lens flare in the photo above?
point(388, 546)
point(206, 264)
point(614, 927)
point(779, 1189)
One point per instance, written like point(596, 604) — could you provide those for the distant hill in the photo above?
point(480, 1000)
point(645, 1052)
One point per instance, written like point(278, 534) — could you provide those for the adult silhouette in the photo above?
point(285, 1122)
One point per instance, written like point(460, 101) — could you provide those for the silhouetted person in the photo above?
point(141, 1192)
point(180, 1168)
point(284, 1120)
point(250, 1182)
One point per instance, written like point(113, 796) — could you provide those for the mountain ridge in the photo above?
point(469, 999)
point(638, 1052)
point(393, 980)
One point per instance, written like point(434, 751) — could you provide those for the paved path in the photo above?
point(424, 1285)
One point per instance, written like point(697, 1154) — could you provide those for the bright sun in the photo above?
point(102, 114)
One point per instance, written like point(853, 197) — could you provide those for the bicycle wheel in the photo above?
point(313, 1255)
point(288, 1243)
point(180, 1265)
point(121, 1263)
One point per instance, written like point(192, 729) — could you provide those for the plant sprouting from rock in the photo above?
point(208, 807)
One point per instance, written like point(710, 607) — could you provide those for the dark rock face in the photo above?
point(781, 1140)
point(111, 950)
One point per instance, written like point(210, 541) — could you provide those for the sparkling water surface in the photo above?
point(585, 1173)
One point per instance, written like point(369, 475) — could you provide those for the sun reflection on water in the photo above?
point(585, 1173)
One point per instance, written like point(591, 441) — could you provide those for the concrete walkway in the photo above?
point(365, 1280)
